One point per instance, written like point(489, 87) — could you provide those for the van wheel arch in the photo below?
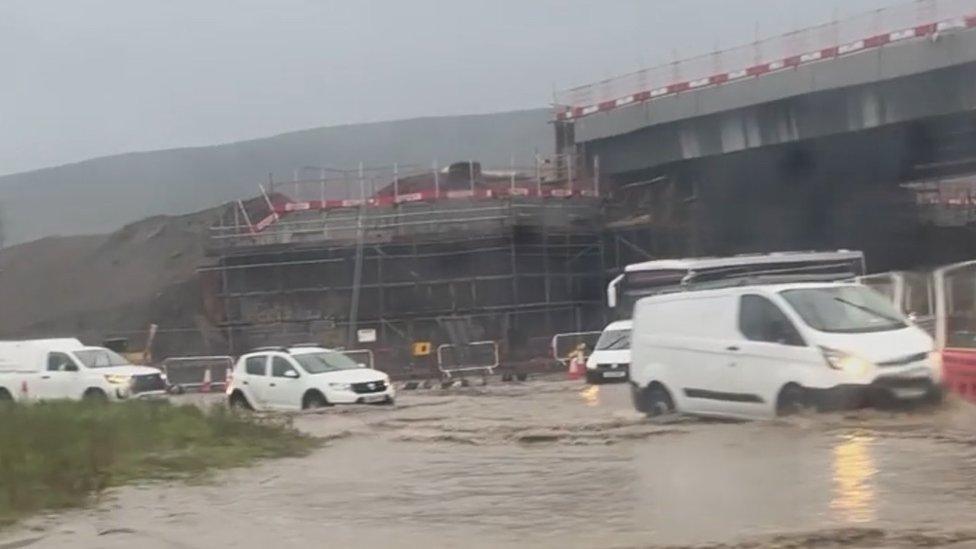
point(313, 398)
point(5, 395)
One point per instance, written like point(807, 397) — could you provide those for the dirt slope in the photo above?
point(105, 285)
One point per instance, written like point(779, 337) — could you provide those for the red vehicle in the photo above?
point(944, 304)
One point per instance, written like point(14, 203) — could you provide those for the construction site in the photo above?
point(409, 264)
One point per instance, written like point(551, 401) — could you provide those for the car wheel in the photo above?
point(239, 402)
point(5, 396)
point(314, 401)
point(792, 400)
point(95, 395)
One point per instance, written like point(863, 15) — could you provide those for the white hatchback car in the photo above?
point(299, 378)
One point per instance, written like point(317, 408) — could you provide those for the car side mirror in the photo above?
point(912, 316)
point(361, 365)
point(292, 374)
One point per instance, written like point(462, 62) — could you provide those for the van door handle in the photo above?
point(271, 384)
point(243, 383)
point(45, 377)
point(732, 348)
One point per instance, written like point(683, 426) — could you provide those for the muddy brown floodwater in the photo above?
point(560, 464)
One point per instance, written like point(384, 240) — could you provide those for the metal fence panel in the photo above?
point(190, 372)
point(564, 344)
point(475, 356)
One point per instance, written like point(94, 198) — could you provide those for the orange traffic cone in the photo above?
point(576, 367)
point(205, 387)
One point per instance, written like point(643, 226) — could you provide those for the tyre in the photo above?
point(238, 401)
point(792, 400)
point(314, 400)
point(95, 395)
point(653, 401)
point(5, 397)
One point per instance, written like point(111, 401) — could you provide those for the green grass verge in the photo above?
point(60, 454)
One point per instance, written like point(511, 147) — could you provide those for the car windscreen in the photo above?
point(844, 309)
point(327, 361)
point(614, 340)
point(100, 358)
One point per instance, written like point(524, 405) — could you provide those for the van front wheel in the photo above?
point(792, 400)
point(653, 401)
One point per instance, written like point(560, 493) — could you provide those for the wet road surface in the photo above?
point(561, 464)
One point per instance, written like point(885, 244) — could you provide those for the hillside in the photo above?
point(94, 287)
point(102, 194)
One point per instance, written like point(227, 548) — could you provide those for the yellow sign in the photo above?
point(421, 348)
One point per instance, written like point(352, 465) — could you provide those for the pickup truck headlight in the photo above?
point(118, 379)
point(340, 386)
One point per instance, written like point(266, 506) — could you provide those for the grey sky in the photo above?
point(84, 78)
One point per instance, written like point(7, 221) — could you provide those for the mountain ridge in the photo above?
point(100, 195)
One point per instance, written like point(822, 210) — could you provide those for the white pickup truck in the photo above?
point(48, 369)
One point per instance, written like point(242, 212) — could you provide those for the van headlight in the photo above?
point(845, 362)
point(118, 379)
point(935, 362)
point(340, 386)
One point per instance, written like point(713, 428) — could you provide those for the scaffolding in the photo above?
point(512, 268)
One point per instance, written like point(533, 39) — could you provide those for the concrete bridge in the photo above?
point(811, 140)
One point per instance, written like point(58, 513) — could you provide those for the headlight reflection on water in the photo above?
point(590, 395)
point(854, 468)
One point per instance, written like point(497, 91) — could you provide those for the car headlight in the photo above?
point(118, 379)
point(340, 386)
point(845, 362)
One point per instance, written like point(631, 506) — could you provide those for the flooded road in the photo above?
point(560, 464)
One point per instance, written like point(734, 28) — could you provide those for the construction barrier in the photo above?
point(475, 356)
point(564, 344)
point(959, 372)
point(361, 356)
point(197, 373)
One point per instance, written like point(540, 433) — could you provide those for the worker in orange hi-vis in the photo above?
point(577, 362)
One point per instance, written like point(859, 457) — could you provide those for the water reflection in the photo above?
point(590, 395)
point(853, 497)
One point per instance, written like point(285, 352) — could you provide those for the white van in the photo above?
point(299, 378)
point(610, 359)
point(760, 351)
point(47, 369)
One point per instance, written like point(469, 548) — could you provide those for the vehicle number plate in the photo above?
point(614, 374)
point(909, 393)
point(374, 398)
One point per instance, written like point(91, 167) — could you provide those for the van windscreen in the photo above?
point(844, 309)
point(614, 340)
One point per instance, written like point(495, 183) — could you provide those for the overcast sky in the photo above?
point(84, 78)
